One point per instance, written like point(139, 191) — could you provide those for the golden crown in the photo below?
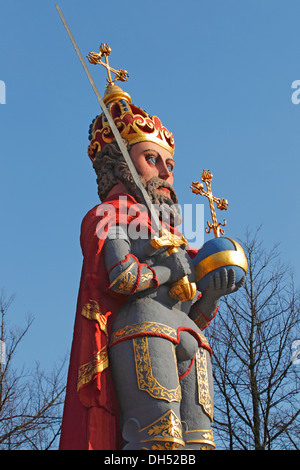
point(134, 124)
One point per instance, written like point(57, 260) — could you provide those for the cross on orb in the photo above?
point(222, 204)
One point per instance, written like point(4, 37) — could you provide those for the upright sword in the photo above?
point(180, 290)
point(156, 225)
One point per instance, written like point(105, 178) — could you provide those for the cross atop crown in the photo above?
point(104, 51)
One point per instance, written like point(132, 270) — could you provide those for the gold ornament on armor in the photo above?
point(146, 281)
point(149, 328)
point(182, 290)
point(200, 436)
point(125, 282)
point(204, 397)
point(164, 434)
point(146, 381)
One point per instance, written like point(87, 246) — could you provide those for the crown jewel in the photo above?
point(134, 124)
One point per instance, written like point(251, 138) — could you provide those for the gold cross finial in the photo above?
point(222, 204)
point(104, 51)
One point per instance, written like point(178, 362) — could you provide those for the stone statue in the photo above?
point(140, 373)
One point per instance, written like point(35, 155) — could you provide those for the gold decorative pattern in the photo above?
point(201, 321)
point(87, 371)
point(168, 239)
point(146, 381)
point(125, 282)
point(203, 436)
point(146, 281)
point(203, 386)
point(145, 328)
point(204, 341)
point(91, 311)
point(134, 124)
point(165, 446)
point(166, 432)
point(182, 290)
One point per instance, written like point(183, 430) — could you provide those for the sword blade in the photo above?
point(155, 222)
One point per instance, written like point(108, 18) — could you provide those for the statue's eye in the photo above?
point(151, 159)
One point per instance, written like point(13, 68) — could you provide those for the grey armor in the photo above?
point(159, 358)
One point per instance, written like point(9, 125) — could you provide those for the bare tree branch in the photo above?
point(30, 401)
point(257, 395)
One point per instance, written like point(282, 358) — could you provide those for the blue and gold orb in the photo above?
point(216, 254)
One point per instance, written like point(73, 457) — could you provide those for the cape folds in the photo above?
point(91, 417)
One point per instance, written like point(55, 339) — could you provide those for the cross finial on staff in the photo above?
point(222, 204)
point(104, 51)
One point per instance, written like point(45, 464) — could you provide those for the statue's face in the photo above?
point(152, 160)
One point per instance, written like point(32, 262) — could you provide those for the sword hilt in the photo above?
point(182, 289)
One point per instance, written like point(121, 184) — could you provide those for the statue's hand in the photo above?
point(222, 283)
point(178, 265)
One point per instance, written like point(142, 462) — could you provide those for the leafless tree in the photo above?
point(256, 379)
point(30, 400)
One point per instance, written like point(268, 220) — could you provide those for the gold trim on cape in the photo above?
point(92, 311)
point(86, 372)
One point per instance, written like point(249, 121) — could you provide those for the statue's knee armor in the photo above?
point(200, 439)
point(197, 402)
point(165, 433)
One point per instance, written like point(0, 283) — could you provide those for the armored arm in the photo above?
point(127, 274)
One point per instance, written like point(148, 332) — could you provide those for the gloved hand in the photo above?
point(178, 264)
point(222, 283)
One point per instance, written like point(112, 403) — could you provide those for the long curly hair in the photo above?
point(111, 168)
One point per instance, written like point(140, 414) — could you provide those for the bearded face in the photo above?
point(155, 169)
point(166, 203)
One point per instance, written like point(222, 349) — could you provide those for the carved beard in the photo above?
point(166, 207)
point(113, 169)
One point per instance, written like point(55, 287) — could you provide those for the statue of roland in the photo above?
point(140, 372)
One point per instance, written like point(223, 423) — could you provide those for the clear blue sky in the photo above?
point(219, 75)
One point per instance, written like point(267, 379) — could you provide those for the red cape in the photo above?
point(91, 416)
